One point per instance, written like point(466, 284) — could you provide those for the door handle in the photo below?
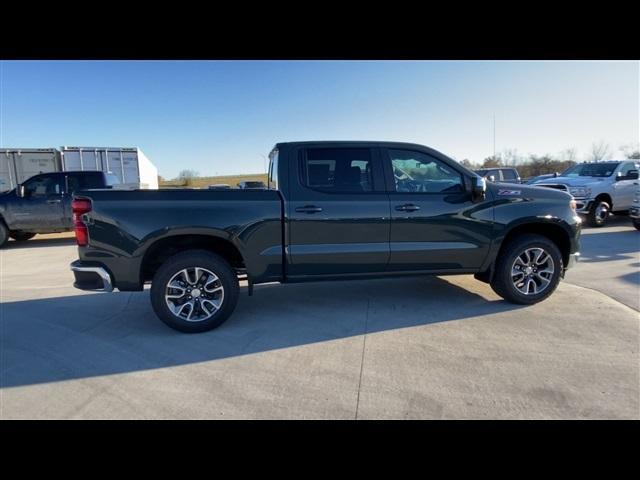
point(308, 209)
point(408, 207)
point(53, 201)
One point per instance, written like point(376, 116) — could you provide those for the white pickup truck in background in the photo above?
point(599, 188)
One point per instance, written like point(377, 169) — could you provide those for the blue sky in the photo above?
point(223, 117)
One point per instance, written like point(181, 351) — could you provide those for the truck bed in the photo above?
point(125, 224)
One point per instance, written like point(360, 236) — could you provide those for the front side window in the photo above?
point(336, 170)
point(422, 173)
point(626, 168)
point(43, 186)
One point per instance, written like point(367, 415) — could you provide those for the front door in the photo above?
point(41, 207)
point(625, 187)
point(338, 217)
point(434, 224)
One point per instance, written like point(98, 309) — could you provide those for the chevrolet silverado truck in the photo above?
point(331, 211)
point(42, 204)
point(599, 188)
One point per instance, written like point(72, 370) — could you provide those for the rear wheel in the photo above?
point(527, 270)
point(194, 291)
point(21, 236)
point(599, 213)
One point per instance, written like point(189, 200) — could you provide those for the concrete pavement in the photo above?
point(441, 347)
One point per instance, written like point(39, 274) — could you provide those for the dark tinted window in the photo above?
point(338, 169)
point(43, 186)
point(84, 182)
point(508, 174)
point(419, 172)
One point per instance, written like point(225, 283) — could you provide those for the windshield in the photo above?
point(591, 170)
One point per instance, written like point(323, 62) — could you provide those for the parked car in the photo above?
point(332, 210)
point(500, 175)
point(42, 204)
point(252, 185)
point(219, 186)
point(542, 177)
point(634, 212)
point(599, 188)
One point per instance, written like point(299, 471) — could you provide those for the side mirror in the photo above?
point(478, 189)
point(20, 191)
point(556, 174)
point(491, 178)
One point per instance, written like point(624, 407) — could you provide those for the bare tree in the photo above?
point(568, 155)
point(491, 162)
point(468, 163)
point(631, 152)
point(510, 157)
point(188, 177)
point(599, 151)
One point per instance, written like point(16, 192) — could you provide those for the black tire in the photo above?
point(597, 216)
point(502, 282)
point(21, 236)
point(186, 260)
point(4, 234)
point(636, 223)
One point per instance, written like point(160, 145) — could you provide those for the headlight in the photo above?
point(580, 192)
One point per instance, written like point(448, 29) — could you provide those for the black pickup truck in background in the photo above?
point(331, 211)
point(42, 204)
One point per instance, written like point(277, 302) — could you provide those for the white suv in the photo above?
point(598, 188)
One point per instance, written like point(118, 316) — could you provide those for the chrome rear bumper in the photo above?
point(91, 278)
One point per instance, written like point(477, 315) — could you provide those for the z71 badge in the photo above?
point(503, 191)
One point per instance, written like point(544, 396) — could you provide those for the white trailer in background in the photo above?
point(130, 165)
point(19, 164)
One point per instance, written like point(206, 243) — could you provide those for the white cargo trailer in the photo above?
point(19, 164)
point(130, 165)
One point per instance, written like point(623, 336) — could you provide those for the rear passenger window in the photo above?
point(336, 170)
point(83, 182)
point(508, 174)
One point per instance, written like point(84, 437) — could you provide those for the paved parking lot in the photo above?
point(441, 347)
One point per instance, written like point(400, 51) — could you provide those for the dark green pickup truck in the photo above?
point(331, 210)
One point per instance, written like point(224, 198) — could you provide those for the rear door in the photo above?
point(41, 208)
point(434, 223)
point(338, 212)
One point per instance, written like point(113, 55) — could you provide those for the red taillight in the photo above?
point(80, 206)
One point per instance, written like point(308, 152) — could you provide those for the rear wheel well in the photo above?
point(167, 247)
point(554, 233)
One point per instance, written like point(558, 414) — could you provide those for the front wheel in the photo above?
point(527, 270)
point(194, 291)
point(21, 236)
point(4, 234)
point(636, 223)
point(599, 213)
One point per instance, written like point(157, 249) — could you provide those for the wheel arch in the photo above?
point(605, 197)
point(554, 231)
point(158, 251)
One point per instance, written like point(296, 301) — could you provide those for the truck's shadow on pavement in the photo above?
point(39, 243)
point(81, 336)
